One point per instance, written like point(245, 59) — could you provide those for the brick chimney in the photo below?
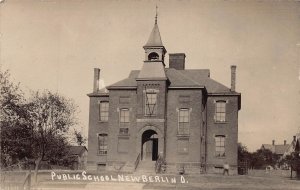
point(233, 77)
point(284, 142)
point(96, 79)
point(177, 61)
point(273, 142)
point(294, 138)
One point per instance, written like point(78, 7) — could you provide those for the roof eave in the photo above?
point(155, 47)
point(186, 87)
point(122, 87)
point(97, 94)
point(147, 79)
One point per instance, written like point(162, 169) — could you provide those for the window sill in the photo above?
point(102, 121)
point(102, 154)
point(219, 157)
point(154, 115)
point(124, 136)
point(183, 153)
point(183, 136)
point(221, 122)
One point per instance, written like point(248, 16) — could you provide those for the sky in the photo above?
point(55, 44)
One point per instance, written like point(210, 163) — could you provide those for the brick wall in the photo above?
point(229, 129)
point(192, 158)
point(120, 146)
point(95, 127)
point(202, 125)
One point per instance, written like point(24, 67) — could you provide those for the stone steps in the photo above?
point(146, 167)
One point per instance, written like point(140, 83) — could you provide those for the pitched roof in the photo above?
point(269, 147)
point(293, 145)
point(277, 149)
point(280, 149)
point(179, 78)
point(76, 150)
point(152, 70)
point(202, 76)
point(154, 38)
point(128, 82)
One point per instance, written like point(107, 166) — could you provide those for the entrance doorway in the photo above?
point(149, 149)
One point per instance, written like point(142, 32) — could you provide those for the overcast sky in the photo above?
point(52, 44)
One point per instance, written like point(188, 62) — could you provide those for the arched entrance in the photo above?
point(149, 148)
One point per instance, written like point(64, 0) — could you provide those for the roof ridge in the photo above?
point(186, 76)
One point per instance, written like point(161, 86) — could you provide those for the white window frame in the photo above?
point(147, 111)
point(220, 146)
point(101, 111)
point(220, 111)
point(102, 148)
point(183, 121)
point(124, 121)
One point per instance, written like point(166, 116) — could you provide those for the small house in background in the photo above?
point(294, 146)
point(78, 157)
point(278, 149)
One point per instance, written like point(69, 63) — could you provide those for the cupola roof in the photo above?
point(154, 38)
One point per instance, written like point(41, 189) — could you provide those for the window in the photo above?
point(220, 113)
point(220, 145)
point(124, 121)
point(153, 56)
point(183, 146)
point(102, 144)
point(150, 103)
point(101, 167)
point(104, 111)
point(184, 121)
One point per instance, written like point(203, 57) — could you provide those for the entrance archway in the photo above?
point(149, 148)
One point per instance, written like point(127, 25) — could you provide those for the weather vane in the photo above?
point(156, 15)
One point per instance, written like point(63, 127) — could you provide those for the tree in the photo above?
point(36, 128)
point(293, 161)
point(50, 117)
point(80, 139)
point(12, 122)
point(243, 154)
point(263, 157)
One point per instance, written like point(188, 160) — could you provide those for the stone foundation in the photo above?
point(184, 167)
point(217, 169)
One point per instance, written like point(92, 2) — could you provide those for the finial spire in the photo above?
point(156, 15)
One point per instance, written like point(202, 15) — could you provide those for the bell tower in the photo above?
point(153, 66)
point(154, 49)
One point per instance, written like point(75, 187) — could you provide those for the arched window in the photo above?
point(153, 56)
